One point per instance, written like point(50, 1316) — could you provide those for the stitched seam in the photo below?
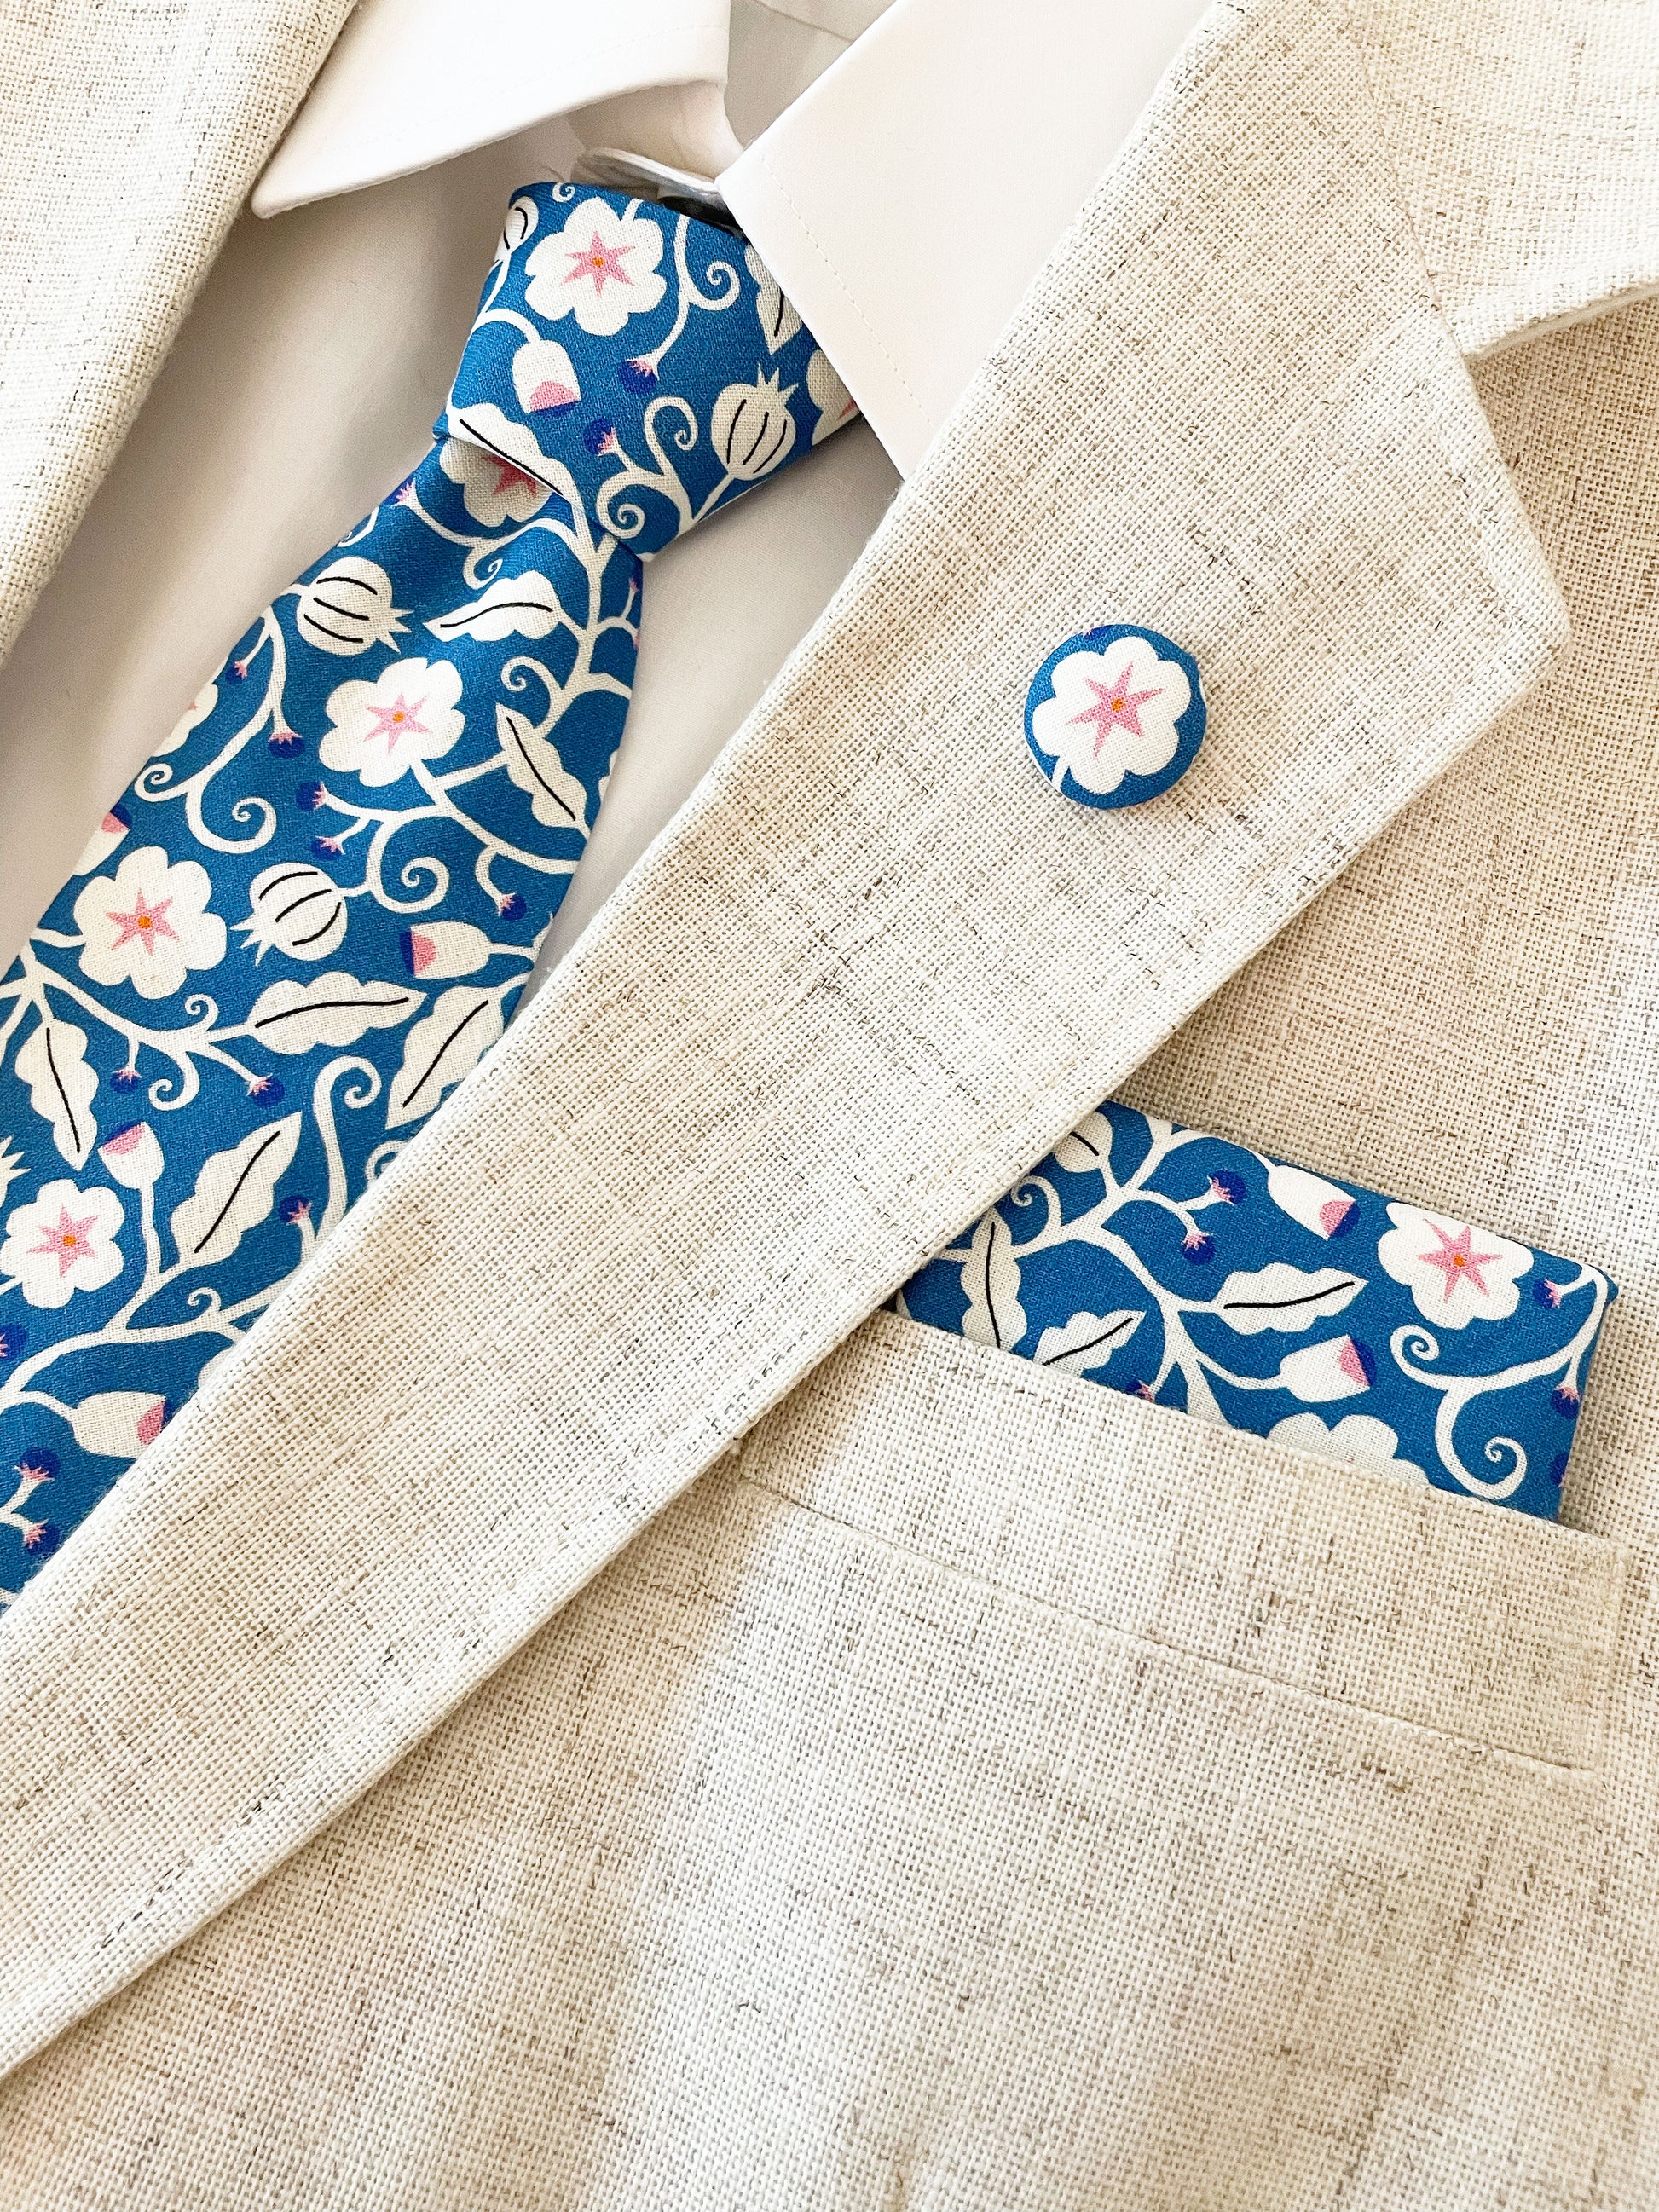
point(1588, 307)
point(804, 21)
point(834, 275)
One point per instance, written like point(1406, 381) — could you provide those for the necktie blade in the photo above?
point(315, 908)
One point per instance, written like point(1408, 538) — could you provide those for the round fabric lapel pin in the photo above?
point(1115, 715)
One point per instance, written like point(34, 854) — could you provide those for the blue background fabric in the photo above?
point(1176, 1267)
point(314, 909)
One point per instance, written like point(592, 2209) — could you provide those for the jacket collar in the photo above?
point(874, 969)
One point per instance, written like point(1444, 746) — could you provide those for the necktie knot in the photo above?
point(630, 370)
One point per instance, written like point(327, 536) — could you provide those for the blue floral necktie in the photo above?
point(314, 910)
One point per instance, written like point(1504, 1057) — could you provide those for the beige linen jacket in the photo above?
point(579, 1714)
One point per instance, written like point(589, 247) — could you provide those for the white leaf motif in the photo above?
point(833, 402)
point(53, 1062)
point(1356, 1440)
point(1087, 1341)
point(525, 606)
point(1280, 1295)
point(336, 1010)
point(991, 1279)
point(1202, 1400)
point(778, 320)
point(439, 1050)
point(1088, 1150)
point(233, 1194)
point(557, 799)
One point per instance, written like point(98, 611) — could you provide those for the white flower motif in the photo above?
point(348, 608)
point(751, 428)
point(1114, 713)
point(601, 267)
point(1356, 1440)
point(380, 729)
point(1455, 1275)
point(148, 924)
point(63, 1241)
point(494, 488)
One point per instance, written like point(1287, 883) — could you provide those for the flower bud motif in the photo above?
point(119, 1424)
point(751, 428)
point(348, 607)
point(544, 378)
point(1323, 1208)
point(1341, 1367)
point(104, 840)
point(193, 716)
point(437, 949)
point(132, 1156)
point(294, 909)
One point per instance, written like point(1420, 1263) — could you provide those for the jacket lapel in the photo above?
point(875, 969)
point(1527, 140)
point(126, 156)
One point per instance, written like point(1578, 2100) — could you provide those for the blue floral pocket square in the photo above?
point(1175, 1266)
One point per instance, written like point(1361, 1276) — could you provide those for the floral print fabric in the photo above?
point(1178, 1267)
point(314, 910)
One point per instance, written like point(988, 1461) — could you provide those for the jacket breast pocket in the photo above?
point(1481, 1623)
point(1160, 1817)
